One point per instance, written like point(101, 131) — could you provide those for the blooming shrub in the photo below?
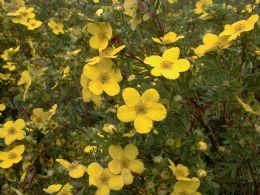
point(129, 97)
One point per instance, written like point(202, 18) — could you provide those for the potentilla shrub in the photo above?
point(129, 97)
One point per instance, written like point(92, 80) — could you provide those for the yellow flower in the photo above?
point(2, 107)
point(101, 34)
point(257, 52)
point(247, 107)
point(66, 72)
point(109, 128)
point(5, 56)
point(57, 27)
point(11, 157)
point(201, 5)
point(186, 187)
point(201, 173)
point(12, 131)
point(124, 162)
point(202, 146)
point(105, 55)
point(33, 24)
point(87, 95)
point(103, 77)
point(73, 53)
point(10, 66)
point(89, 149)
point(131, 7)
point(172, 1)
point(26, 80)
point(249, 8)
point(168, 38)
point(65, 190)
point(22, 15)
point(5, 77)
point(212, 42)
point(143, 110)
point(234, 30)
point(180, 171)
point(104, 179)
point(75, 169)
point(169, 65)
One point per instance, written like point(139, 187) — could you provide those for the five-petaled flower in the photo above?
point(65, 190)
point(12, 131)
point(169, 65)
point(75, 169)
point(11, 157)
point(57, 27)
point(124, 162)
point(104, 179)
point(143, 110)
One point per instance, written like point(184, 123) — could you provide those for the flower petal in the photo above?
point(126, 113)
point(157, 112)
point(96, 87)
point(63, 163)
point(111, 87)
point(77, 172)
point(154, 60)
point(170, 73)
point(131, 96)
point(114, 166)
point(127, 176)
point(181, 65)
point(95, 42)
point(150, 97)
point(171, 54)
point(52, 188)
point(116, 182)
point(115, 151)
point(19, 124)
point(95, 170)
point(143, 124)
point(130, 151)
point(136, 166)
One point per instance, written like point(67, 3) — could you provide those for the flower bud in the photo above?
point(201, 173)
point(157, 159)
point(202, 146)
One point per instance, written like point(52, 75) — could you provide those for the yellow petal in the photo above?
point(77, 172)
point(96, 87)
point(19, 150)
point(115, 151)
point(103, 190)
point(181, 65)
point(127, 176)
point(126, 113)
point(95, 170)
point(136, 166)
point(63, 163)
point(95, 42)
point(150, 97)
point(157, 112)
point(111, 87)
point(170, 73)
point(114, 166)
point(116, 182)
point(154, 60)
point(3, 155)
point(171, 54)
point(156, 72)
point(210, 39)
point(52, 188)
point(6, 164)
point(3, 133)
point(157, 40)
point(93, 28)
point(130, 151)
point(131, 96)
point(143, 124)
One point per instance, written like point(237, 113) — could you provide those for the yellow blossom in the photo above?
point(33, 24)
point(103, 77)
point(10, 66)
point(57, 27)
point(131, 7)
point(2, 108)
point(74, 52)
point(169, 65)
point(26, 80)
point(75, 169)
point(202, 146)
point(89, 149)
point(66, 189)
point(5, 56)
point(109, 128)
point(186, 187)
point(11, 157)
point(124, 162)
point(143, 110)
point(39, 117)
point(12, 131)
point(101, 34)
point(201, 6)
point(247, 107)
point(168, 38)
point(201, 173)
point(87, 95)
point(5, 77)
point(66, 72)
point(104, 179)
point(180, 171)
point(234, 30)
point(22, 15)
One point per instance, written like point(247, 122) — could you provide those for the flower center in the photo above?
point(239, 27)
point(73, 165)
point(11, 131)
point(103, 179)
point(180, 172)
point(140, 108)
point(103, 77)
point(56, 27)
point(125, 162)
point(12, 155)
point(166, 64)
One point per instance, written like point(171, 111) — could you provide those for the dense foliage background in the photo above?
point(212, 125)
